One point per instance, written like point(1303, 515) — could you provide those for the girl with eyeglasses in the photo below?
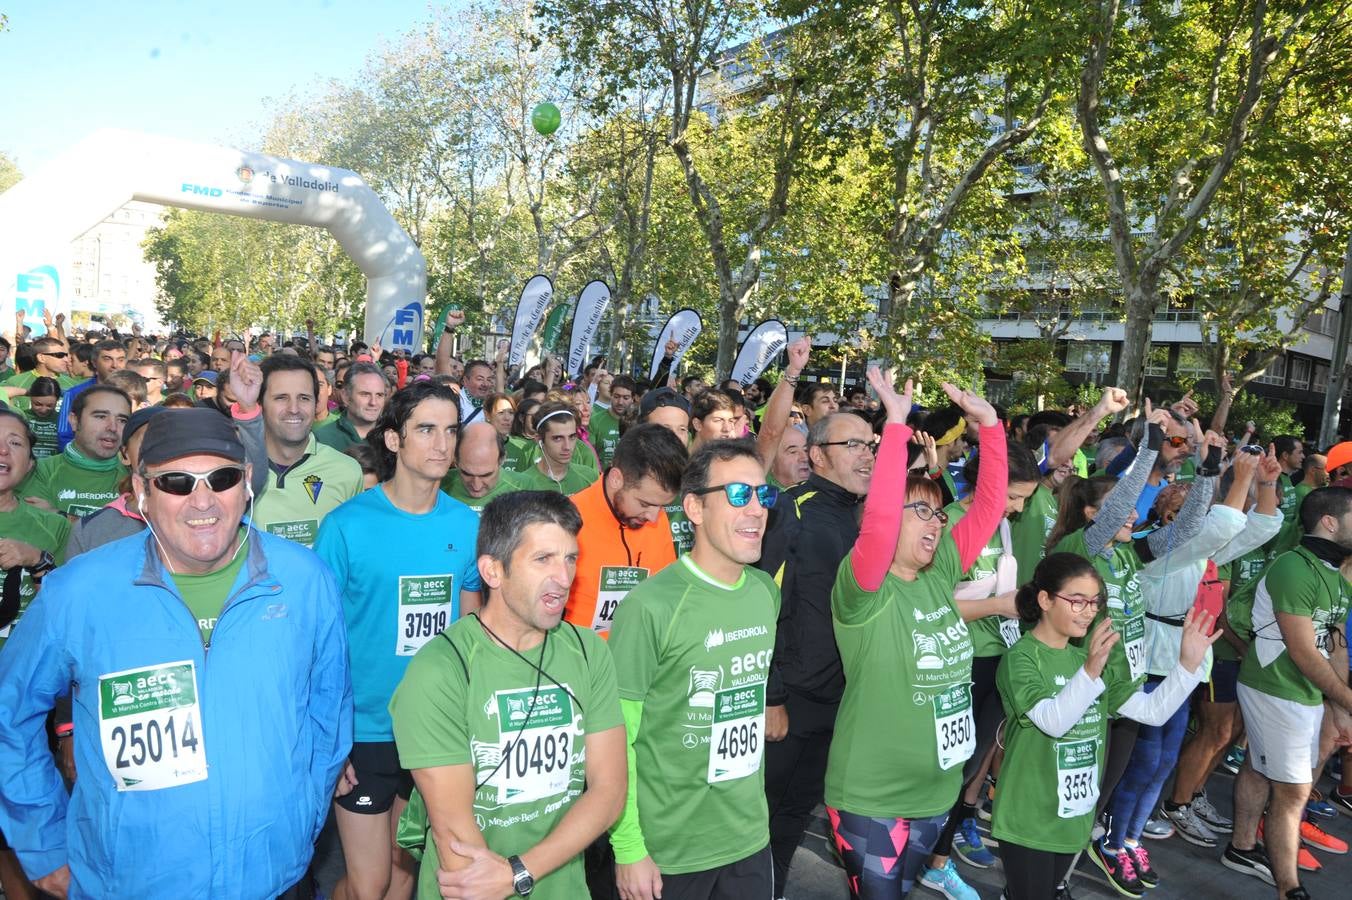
point(1058, 702)
point(905, 726)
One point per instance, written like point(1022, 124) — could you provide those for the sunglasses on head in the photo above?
point(181, 484)
point(739, 493)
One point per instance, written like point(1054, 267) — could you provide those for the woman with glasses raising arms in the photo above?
point(905, 723)
point(1057, 719)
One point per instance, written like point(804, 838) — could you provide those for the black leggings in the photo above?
point(988, 712)
point(1032, 874)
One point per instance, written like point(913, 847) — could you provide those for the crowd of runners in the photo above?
point(562, 635)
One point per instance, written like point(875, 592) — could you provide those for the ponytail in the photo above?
point(1076, 494)
point(1051, 576)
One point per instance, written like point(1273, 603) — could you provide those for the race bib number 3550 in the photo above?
point(424, 610)
point(954, 729)
point(737, 739)
point(150, 727)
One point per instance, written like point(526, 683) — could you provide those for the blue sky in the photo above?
point(196, 70)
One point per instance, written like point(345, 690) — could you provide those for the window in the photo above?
point(1089, 357)
point(1321, 378)
point(1192, 361)
point(1275, 374)
point(1157, 363)
point(1300, 373)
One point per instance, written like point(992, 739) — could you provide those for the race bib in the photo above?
point(736, 742)
point(424, 610)
point(1076, 778)
point(150, 727)
point(1133, 644)
point(1009, 631)
point(302, 531)
point(615, 582)
point(954, 730)
point(534, 754)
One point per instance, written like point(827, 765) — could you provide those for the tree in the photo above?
point(1171, 97)
point(9, 173)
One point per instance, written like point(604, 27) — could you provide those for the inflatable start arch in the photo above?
point(41, 215)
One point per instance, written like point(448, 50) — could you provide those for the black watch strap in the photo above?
point(46, 562)
point(522, 881)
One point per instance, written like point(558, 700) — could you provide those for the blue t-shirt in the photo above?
point(1147, 498)
point(400, 575)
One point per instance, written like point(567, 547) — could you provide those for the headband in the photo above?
point(952, 434)
point(557, 412)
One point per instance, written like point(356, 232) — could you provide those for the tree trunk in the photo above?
point(1140, 315)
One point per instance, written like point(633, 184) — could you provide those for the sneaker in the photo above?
point(1341, 800)
point(1320, 839)
point(1249, 862)
point(1319, 807)
point(1305, 860)
point(985, 807)
point(1211, 816)
point(1298, 893)
point(1234, 759)
point(1190, 828)
point(1120, 868)
point(1144, 870)
point(1063, 892)
point(968, 846)
point(1158, 829)
point(948, 882)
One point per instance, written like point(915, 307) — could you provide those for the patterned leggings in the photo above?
point(883, 857)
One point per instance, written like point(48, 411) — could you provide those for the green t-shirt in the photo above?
point(520, 452)
point(205, 595)
point(1048, 786)
point(604, 432)
point(71, 489)
point(1080, 462)
point(1030, 529)
point(1124, 672)
point(682, 532)
point(583, 458)
point(338, 434)
point(298, 500)
point(987, 637)
point(455, 486)
point(1243, 574)
point(41, 528)
point(905, 723)
point(574, 480)
point(696, 654)
point(44, 430)
point(1298, 583)
point(465, 700)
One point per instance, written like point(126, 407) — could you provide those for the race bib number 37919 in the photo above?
point(150, 727)
point(424, 610)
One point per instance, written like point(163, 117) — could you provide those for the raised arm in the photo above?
point(454, 319)
point(1180, 534)
point(781, 402)
point(872, 553)
point(992, 480)
point(1070, 438)
point(1121, 500)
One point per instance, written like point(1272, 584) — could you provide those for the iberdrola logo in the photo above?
point(313, 485)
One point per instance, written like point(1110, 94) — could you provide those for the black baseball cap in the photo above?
point(663, 396)
point(139, 420)
point(189, 432)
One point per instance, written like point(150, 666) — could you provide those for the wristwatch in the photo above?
point(522, 881)
point(46, 562)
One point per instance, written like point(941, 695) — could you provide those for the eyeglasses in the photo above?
point(739, 493)
point(1077, 604)
point(927, 512)
point(59, 354)
point(854, 445)
point(181, 484)
point(1176, 440)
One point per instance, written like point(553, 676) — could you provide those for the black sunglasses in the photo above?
point(181, 484)
point(59, 354)
point(739, 493)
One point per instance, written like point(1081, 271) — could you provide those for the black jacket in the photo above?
point(812, 528)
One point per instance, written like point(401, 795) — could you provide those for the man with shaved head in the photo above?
point(478, 475)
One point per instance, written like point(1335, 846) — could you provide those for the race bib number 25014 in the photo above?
point(150, 727)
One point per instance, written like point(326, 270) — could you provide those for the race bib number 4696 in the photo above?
point(150, 727)
point(424, 610)
point(737, 739)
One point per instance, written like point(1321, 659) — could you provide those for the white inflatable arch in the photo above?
point(41, 215)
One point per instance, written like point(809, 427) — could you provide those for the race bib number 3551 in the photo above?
point(1076, 778)
point(424, 610)
point(150, 727)
point(737, 739)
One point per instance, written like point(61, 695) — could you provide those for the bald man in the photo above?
point(478, 475)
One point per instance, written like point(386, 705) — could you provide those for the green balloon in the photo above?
point(546, 118)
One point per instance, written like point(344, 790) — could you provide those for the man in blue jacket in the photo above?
point(212, 700)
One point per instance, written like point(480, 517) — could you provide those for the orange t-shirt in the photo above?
point(611, 559)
